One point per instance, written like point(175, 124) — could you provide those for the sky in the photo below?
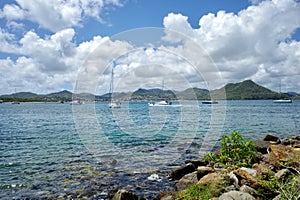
point(48, 46)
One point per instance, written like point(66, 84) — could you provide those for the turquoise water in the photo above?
point(51, 150)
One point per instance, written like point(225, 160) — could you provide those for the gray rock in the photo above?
point(186, 181)
point(179, 172)
point(125, 195)
point(262, 146)
point(236, 195)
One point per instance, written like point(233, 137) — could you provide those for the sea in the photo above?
point(63, 151)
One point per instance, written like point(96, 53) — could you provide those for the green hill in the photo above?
point(193, 94)
point(62, 96)
point(152, 94)
point(247, 90)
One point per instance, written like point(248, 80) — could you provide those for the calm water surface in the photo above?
point(50, 150)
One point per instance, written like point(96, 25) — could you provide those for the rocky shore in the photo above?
point(240, 170)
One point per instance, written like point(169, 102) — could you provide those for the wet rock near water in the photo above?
point(179, 172)
point(186, 181)
point(272, 138)
point(125, 195)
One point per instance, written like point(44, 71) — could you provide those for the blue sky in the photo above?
point(43, 43)
point(150, 13)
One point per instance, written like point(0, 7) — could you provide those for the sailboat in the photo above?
point(161, 103)
point(112, 104)
point(76, 100)
point(282, 100)
point(15, 102)
point(212, 101)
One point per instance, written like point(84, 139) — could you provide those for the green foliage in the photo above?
point(288, 188)
point(268, 184)
point(194, 192)
point(234, 151)
point(207, 191)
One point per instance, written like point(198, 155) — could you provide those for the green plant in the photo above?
point(194, 192)
point(234, 151)
point(213, 188)
point(288, 188)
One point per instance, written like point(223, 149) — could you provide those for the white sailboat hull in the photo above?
point(114, 105)
point(282, 101)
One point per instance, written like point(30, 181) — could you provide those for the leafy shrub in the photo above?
point(234, 151)
point(288, 188)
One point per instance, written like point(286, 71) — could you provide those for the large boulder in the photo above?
point(210, 178)
point(236, 195)
point(271, 138)
point(217, 182)
point(262, 146)
point(186, 181)
point(284, 154)
point(245, 178)
point(125, 195)
point(179, 172)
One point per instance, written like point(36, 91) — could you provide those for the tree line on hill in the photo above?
point(246, 90)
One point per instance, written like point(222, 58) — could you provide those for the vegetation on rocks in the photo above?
point(196, 191)
point(234, 151)
point(205, 189)
point(243, 170)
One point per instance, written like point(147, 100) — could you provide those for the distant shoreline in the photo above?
point(246, 90)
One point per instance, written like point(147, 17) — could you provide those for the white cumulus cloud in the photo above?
point(55, 15)
point(242, 44)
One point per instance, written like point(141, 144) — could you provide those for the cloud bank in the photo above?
point(56, 15)
point(257, 43)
